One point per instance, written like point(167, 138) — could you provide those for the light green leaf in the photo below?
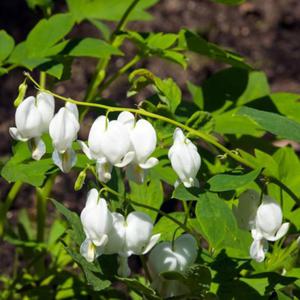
point(148, 193)
point(47, 33)
point(91, 47)
point(181, 193)
point(42, 3)
point(7, 44)
point(274, 123)
point(227, 182)
point(197, 94)
point(161, 41)
point(216, 220)
point(111, 10)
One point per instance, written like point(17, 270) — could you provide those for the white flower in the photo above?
point(143, 143)
point(96, 220)
point(185, 159)
point(268, 227)
point(130, 236)
point(32, 118)
point(109, 145)
point(164, 258)
point(245, 212)
point(63, 130)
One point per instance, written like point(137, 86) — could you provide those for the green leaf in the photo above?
point(196, 43)
point(73, 220)
point(91, 272)
point(145, 291)
point(91, 47)
point(33, 172)
point(181, 193)
point(47, 33)
point(197, 94)
point(150, 194)
point(7, 45)
point(111, 10)
point(227, 182)
point(287, 104)
point(169, 92)
point(42, 3)
point(167, 227)
point(161, 41)
point(216, 220)
point(274, 123)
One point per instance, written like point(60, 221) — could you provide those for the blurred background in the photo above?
point(266, 32)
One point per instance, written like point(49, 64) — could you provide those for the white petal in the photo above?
point(63, 129)
point(143, 139)
point(85, 149)
point(123, 270)
point(45, 105)
point(38, 148)
point(127, 159)
point(101, 241)
point(88, 250)
point(92, 198)
point(258, 249)
point(151, 162)
point(15, 134)
point(116, 240)
point(127, 118)
point(103, 170)
point(96, 131)
point(28, 119)
point(178, 136)
point(138, 232)
point(152, 242)
point(65, 161)
point(280, 233)
point(73, 109)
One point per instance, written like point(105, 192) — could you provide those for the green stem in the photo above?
point(42, 199)
point(43, 79)
point(8, 201)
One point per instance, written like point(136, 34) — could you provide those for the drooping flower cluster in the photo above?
point(111, 233)
point(264, 220)
point(35, 116)
point(121, 143)
point(167, 257)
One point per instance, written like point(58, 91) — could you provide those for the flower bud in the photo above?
point(96, 220)
point(185, 159)
point(21, 94)
point(80, 180)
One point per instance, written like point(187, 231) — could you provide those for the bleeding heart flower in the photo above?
point(130, 236)
point(143, 143)
point(109, 145)
point(185, 159)
point(32, 118)
point(96, 220)
point(178, 258)
point(63, 130)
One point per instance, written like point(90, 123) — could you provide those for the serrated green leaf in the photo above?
point(227, 182)
point(274, 123)
point(47, 33)
point(7, 45)
point(216, 220)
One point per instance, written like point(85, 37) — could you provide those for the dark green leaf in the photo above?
point(227, 182)
point(274, 123)
point(216, 220)
point(199, 45)
point(7, 44)
point(197, 94)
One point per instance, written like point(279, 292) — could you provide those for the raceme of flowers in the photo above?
point(263, 219)
point(112, 233)
point(120, 143)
